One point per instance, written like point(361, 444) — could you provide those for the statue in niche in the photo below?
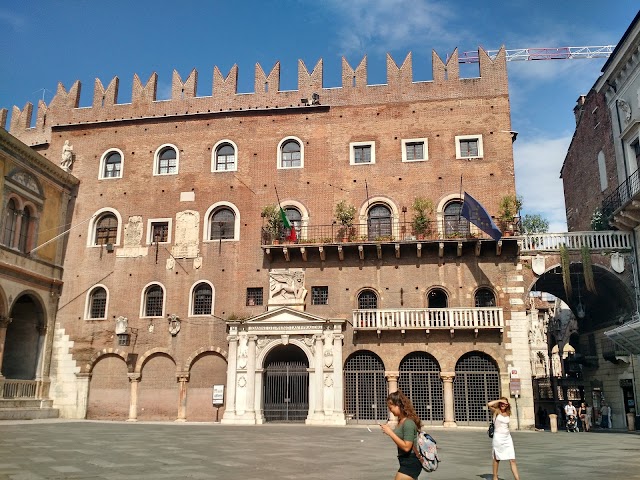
point(626, 108)
point(67, 156)
point(243, 350)
point(287, 285)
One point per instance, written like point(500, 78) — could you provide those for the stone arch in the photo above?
point(88, 367)
point(108, 396)
point(192, 358)
point(4, 304)
point(37, 298)
point(279, 341)
point(149, 353)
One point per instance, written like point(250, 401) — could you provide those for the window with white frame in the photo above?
point(469, 146)
point(153, 301)
point(106, 229)
point(159, 230)
point(202, 299)
point(415, 150)
point(111, 164)
point(166, 161)
point(97, 306)
point(362, 153)
point(290, 153)
point(224, 157)
point(222, 224)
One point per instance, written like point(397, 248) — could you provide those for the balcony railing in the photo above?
point(621, 195)
point(19, 388)
point(429, 318)
point(612, 351)
point(453, 229)
point(603, 240)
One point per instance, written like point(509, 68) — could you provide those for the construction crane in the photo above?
point(557, 53)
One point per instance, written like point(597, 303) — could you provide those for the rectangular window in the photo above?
point(254, 296)
point(635, 147)
point(469, 146)
point(158, 230)
point(414, 150)
point(319, 295)
point(362, 153)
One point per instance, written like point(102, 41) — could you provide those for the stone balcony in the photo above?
point(594, 241)
point(429, 319)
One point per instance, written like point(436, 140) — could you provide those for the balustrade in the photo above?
point(428, 318)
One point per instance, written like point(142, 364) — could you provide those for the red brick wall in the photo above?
point(109, 390)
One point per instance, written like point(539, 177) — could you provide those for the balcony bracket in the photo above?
point(378, 332)
point(419, 247)
point(441, 249)
point(475, 333)
point(427, 331)
point(402, 332)
point(323, 255)
point(499, 247)
point(459, 249)
point(452, 333)
point(397, 250)
point(303, 251)
point(340, 253)
point(478, 248)
point(267, 252)
point(285, 251)
point(361, 252)
point(379, 249)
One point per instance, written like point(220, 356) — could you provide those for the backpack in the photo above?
point(427, 452)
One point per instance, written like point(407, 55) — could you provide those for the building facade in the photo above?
point(181, 276)
point(37, 199)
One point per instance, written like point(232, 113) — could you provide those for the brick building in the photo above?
point(181, 277)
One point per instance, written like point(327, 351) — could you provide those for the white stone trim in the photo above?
point(87, 303)
point(207, 222)
point(370, 143)
point(279, 153)
point(477, 137)
point(156, 160)
point(213, 298)
point(213, 156)
point(425, 143)
point(91, 233)
point(143, 298)
point(102, 164)
point(150, 230)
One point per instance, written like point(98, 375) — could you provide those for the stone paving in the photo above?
point(111, 450)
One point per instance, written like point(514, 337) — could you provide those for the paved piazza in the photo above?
point(100, 450)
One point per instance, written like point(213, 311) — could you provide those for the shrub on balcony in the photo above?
point(599, 221)
point(422, 208)
point(345, 215)
point(508, 211)
point(273, 225)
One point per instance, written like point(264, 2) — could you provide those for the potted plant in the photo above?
point(422, 208)
point(273, 225)
point(345, 214)
point(508, 213)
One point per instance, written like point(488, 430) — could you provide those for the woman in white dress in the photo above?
point(502, 442)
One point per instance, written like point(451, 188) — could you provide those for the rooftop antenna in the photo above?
point(43, 90)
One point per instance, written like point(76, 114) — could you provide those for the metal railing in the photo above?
point(602, 240)
point(621, 195)
point(19, 388)
point(428, 318)
point(611, 350)
point(374, 232)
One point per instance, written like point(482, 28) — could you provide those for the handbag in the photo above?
point(491, 429)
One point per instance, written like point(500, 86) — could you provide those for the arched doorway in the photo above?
point(22, 343)
point(285, 393)
point(365, 388)
point(379, 222)
point(477, 382)
point(420, 381)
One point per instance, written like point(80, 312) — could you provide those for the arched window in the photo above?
point(379, 222)
point(222, 225)
point(454, 224)
point(225, 157)
point(10, 222)
point(25, 227)
point(291, 155)
point(153, 301)
point(112, 165)
point(437, 298)
point(167, 161)
point(484, 297)
point(202, 299)
point(106, 229)
point(367, 300)
point(98, 303)
point(295, 219)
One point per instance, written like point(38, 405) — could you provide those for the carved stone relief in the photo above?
point(187, 235)
point(27, 181)
point(243, 350)
point(286, 287)
point(133, 231)
point(171, 263)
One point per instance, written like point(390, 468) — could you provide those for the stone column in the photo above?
point(4, 323)
point(449, 412)
point(83, 393)
point(42, 333)
point(183, 378)
point(251, 375)
point(230, 401)
point(338, 377)
point(319, 367)
point(392, 384)
point(134, 380)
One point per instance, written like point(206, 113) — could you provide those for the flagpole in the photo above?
point(460, 211)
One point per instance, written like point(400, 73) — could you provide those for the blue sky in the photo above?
point(44, 42)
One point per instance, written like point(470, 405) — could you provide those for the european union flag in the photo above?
point(476, 214)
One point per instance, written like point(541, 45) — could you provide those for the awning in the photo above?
point(627, 336)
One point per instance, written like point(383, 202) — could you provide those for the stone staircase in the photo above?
point(26, 409)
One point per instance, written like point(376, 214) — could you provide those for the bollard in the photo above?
point(553, 422)
point(631, 421)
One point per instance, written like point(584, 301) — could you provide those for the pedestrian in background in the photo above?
point(605, 411)
point(502, 443)
point(589, 417)
point(582, 416)
point(404, 435)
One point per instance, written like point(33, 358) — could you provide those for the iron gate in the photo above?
point(477, 382)
point(420, 381)
point(286, 392)
point(365, 388)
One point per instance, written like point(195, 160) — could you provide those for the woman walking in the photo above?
point(404, 435)
point(582, 415)
point(502, 442)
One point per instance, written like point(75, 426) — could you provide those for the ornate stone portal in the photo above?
point(251, 341)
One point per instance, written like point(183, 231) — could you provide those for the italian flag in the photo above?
point(285, 222)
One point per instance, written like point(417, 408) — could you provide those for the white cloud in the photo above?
point(537, 165)
point(15, 21)
point(390, 24)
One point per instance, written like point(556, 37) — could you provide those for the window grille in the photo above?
point(160, 232)
point(98, 303)
point(254, 296)
point(365, 388)
point(223, 223)
point(367, 300)
point(437, 298)
point(485, 298)
point(319, 295)
point(202, 297)
point(477, 382)
point(420, 380)
point(153, 304)
point(106, 229)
